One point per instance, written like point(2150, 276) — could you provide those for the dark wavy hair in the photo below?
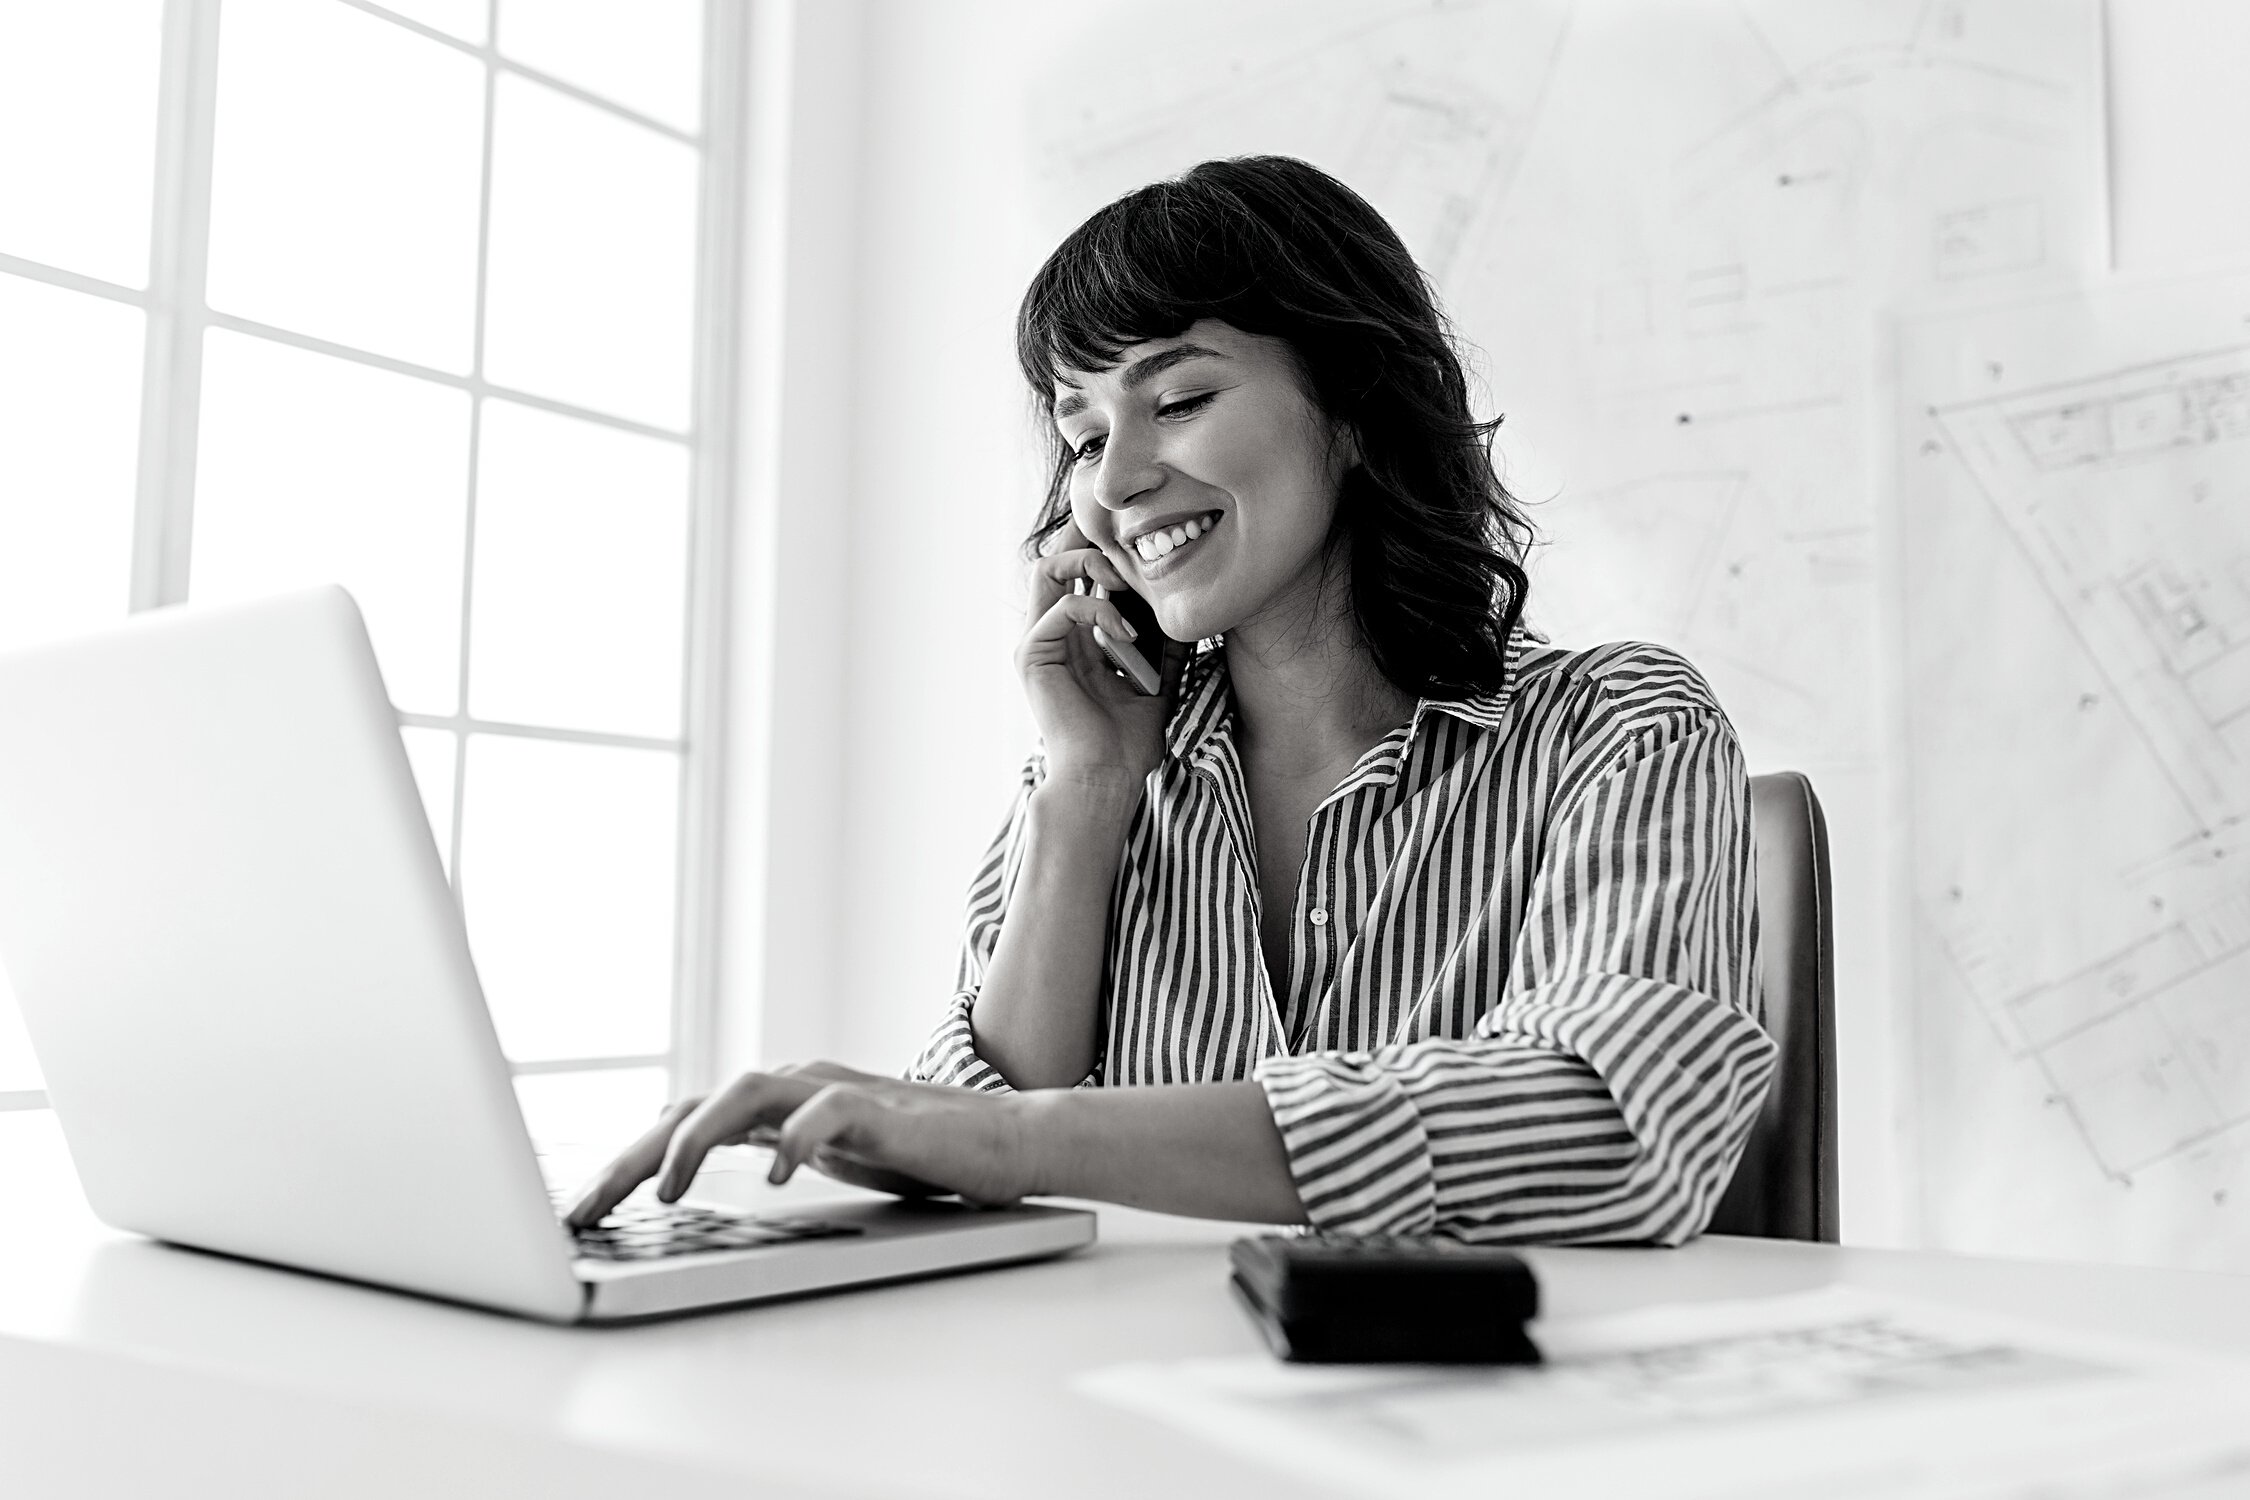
point(1274, 246)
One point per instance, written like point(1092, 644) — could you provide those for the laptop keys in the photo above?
point(638, 1231)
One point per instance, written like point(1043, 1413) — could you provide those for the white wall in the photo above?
point(788, 689)
point(888, 478)
point(945, 483)
point(2179, 106)
point(896, 447)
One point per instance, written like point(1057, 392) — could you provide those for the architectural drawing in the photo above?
point(2106, 491)
point(2077, 505)
point(1735, 1376)
point(1424, 108)
point(2156, 590)
point(1828, 162)
point(1833, 1391)
point(1668, 231)
point(1695, 560)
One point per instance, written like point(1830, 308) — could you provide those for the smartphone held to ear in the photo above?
point(1139, 661)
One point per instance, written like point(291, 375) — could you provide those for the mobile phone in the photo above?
point(1132, 658)
point(1328, 1299)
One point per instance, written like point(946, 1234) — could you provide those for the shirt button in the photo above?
point(1319, 917)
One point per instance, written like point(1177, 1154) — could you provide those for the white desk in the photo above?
point(128, 1368)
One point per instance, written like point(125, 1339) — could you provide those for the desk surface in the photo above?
point(129, 1367)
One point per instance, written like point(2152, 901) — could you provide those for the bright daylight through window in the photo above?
point(416, 298)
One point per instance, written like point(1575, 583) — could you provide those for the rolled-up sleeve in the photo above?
point(950, 1056)
point(1606, 1094)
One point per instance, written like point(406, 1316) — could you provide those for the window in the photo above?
point(428, 299)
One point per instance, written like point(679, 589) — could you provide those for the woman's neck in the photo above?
point(1307, 693)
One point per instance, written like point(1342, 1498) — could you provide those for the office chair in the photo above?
point(1784, 1188)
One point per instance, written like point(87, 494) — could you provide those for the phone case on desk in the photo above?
point(1322, 1299)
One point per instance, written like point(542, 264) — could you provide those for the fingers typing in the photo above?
point(633, 1166)
point(824, 1120)
point(735, 1113)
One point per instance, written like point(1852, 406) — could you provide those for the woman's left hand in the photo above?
point(908, 1138)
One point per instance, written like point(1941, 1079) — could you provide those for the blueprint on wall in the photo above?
point(2074, 536)
point(1696, 363)
point(1668, 229)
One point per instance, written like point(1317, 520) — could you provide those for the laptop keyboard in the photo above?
point(648, 1231)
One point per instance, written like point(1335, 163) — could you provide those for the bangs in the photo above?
point(1146, 267)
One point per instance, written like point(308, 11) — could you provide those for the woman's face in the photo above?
point(1206, 474)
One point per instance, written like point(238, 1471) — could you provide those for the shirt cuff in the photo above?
point(1689, 1072)
point(951, 1056)
point(1357, 1149)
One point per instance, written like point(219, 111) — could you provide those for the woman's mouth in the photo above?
point(1155, 546)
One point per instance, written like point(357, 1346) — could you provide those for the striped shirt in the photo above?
point(1522, 998)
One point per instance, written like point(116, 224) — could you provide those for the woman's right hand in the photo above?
point(1099, 732)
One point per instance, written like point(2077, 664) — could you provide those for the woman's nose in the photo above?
point(1127, 468)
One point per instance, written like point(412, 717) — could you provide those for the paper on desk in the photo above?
point(1836, 1392)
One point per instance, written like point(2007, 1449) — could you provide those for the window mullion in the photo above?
point(540, 1066)
point(179, 317)
point(92, 286)
point(179, 254)
point(476, 441)
point(696, 965)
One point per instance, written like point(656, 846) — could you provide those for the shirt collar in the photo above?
point(1485, 710)
point(1206, 709)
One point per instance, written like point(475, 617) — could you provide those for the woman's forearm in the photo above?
point(1206, 1149)
point(1038, 1015)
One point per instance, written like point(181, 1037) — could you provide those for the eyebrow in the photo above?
point(1139, 373)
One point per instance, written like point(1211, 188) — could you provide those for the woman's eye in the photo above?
point(1187, 406)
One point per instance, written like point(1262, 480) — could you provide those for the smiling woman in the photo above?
point(1351, 345)
point(1380, 915)
point(1258, 473)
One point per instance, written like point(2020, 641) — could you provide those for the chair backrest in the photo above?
point(1785, 1186)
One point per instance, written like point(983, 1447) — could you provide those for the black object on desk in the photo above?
point(1323, 1299)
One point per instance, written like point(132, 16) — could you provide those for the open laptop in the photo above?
point(248, 986)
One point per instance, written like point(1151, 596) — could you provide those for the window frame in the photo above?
point(177, 316)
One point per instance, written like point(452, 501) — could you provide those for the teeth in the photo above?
point(1158, 544)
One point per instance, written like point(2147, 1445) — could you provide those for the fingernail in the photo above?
point(1130, 633)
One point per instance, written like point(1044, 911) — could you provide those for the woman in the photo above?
point(1382, 917)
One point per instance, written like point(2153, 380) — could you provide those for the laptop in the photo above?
point(247, 983)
